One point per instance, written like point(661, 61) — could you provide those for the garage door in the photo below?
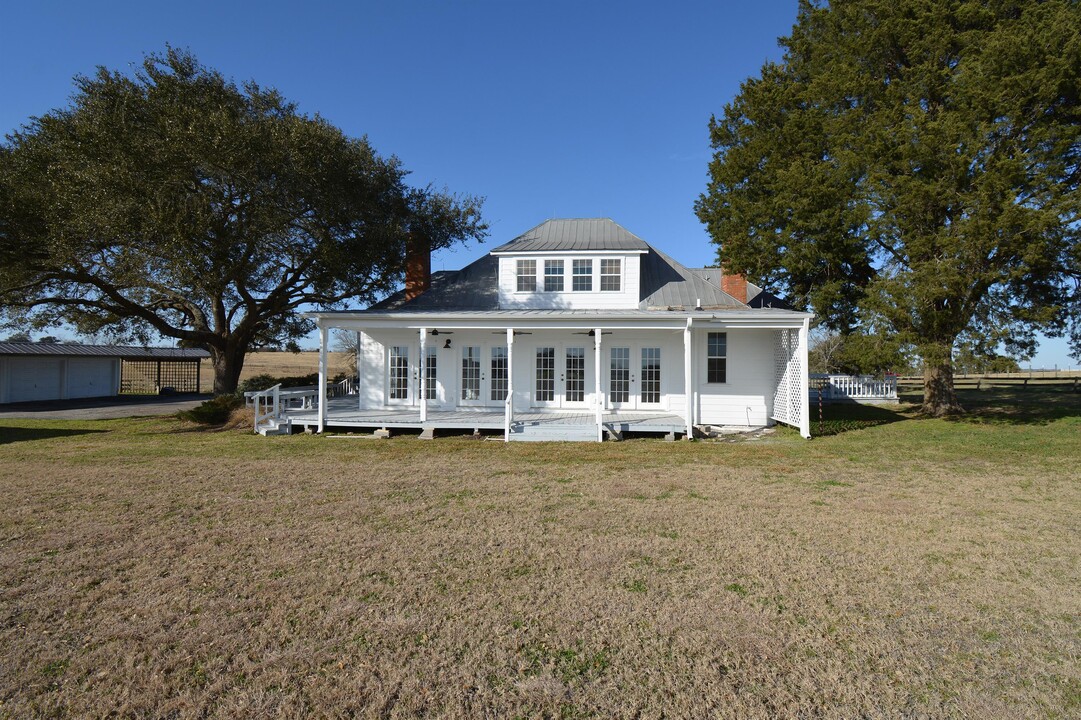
point(91, 377)
point(32, 379)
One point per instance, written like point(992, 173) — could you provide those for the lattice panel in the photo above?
point(789, 398)
point(148, 377)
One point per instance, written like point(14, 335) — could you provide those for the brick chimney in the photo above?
point(734, 285)
point(418, 266)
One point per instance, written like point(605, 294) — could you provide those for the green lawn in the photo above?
point(894, 566)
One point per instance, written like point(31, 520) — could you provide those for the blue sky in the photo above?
point(553, 109)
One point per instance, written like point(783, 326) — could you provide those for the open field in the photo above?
point(278, 364)
point(892, 567)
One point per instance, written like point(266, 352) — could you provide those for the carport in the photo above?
point(32, 372)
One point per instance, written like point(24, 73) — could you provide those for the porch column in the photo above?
point(688, 380)
point(322, 378)
point(597, 335)
point(508, 417)
point(805, 404)
point(360, 354)
point(423, 375)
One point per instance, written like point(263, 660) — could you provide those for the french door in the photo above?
point(399, 376)
point(634, 377)
point(483, 375)
point(559, 376)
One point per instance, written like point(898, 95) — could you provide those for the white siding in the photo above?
point(627, 297)
point(746, 396)
point(371, 373)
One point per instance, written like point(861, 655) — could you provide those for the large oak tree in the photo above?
point(175, 203)
point(911, 169)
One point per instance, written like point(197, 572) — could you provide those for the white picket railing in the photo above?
point(842, 388)
point(267, 404)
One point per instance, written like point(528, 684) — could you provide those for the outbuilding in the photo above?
point(34, 372)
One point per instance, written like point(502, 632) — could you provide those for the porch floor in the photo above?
point(343, 412)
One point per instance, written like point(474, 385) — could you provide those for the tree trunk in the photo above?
point(227, 365)
point(939, 398)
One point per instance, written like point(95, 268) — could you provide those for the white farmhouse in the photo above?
point(573, 330)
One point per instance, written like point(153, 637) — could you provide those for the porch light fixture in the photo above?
point(446, 345)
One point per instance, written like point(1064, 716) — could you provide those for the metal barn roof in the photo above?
point(112, 351)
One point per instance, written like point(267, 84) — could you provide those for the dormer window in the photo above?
point(553, 276)
point(527, 276)
point(611, 274)
point(582, 279)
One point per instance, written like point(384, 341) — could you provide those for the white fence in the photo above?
point(853, 388)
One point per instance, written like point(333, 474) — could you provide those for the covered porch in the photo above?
point(566, 374)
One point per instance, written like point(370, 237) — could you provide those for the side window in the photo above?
point(582, 279)
point(717, 358)
point(527, 276)
point(611, 274)
point(553, 276)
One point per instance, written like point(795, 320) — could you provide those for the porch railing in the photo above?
point(267, 404)
point(857, 388)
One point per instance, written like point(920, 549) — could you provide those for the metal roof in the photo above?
point(756, 296)
point(474, 287)
point(575, 235)
point(666, 283)
point(112, 351)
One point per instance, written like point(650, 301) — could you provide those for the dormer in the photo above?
point(571, 264)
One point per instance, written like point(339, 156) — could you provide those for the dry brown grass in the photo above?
point(919, 568)
point(278, 364)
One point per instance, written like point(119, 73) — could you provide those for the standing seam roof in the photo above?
point(575, 235)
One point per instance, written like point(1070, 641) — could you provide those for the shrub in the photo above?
point(215, 411)
point(265, 381)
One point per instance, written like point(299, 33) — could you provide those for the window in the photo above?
point(499, 374)
point(717, 358)
point(553, 276)
point(651, 375)
point(582, 280)
point(546, 375)
point(576, 374)
point(430, 363)
point(611, 274)
point(471, 372)
point(619, 386)
point(527, 276)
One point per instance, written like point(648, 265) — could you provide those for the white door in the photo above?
point(470, 375)
point(634, 377)
point(484, 375)
point(619, 378)
point(31, 379)
point(399, 376)
point(544, 377)
point(498, 376)
point(559, 376)
point(91, 377)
